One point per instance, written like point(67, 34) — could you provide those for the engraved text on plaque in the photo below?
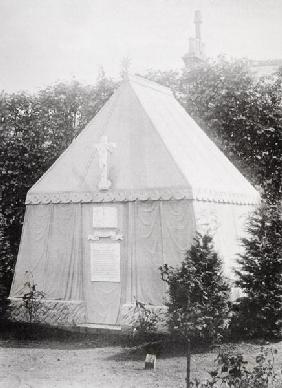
point(105, 262)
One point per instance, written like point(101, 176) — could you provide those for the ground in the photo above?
point(38, 367)
point(83, 362)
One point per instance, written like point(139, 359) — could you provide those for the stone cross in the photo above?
point(103, 148)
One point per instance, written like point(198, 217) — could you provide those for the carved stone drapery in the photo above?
point(164, 194)
point(112, 234)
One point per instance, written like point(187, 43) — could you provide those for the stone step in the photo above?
point(97, 328)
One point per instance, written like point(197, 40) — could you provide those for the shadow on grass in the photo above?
point(168, 348)
point(25, 335)
point(163, 349)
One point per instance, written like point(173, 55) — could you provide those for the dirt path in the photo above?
point(37, 367)
point(49, 364)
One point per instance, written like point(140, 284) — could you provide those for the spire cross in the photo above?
point(103, 148)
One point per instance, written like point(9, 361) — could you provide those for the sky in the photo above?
point(45, 41)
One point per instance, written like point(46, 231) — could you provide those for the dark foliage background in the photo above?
point(241, 113)
point(258, 313)
point(34, 131)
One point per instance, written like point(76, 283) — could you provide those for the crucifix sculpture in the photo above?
point(103, 148)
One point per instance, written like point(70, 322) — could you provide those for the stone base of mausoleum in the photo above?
point(73, 314)
point(130, 314)
point(51, 312)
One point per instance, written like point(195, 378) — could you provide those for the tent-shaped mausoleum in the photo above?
point(124, 198)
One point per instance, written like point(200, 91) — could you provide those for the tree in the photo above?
point(239, 112)
point(169, 78)
point(259, 312)
point(198, 295)
point(198, 292)
point(34, 131)
point(6, 272)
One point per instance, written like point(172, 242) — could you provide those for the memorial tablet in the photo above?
point(105, 262)
point(105, 217)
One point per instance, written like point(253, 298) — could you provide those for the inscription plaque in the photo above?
point(105, 217)
point(105, 262)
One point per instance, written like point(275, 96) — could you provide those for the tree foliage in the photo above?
point(6, 271)
point(232, 370)
point(34, 131)
point(198, 292)
point(259, 312)
point(241, 113)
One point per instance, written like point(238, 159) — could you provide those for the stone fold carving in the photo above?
point(112, 234)
point(142, 195)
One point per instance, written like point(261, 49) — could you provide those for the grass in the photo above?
point(42, 356)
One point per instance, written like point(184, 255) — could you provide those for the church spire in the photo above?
point(198, 22)
point(195, 54)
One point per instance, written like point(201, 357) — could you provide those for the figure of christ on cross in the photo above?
point(103, 148)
